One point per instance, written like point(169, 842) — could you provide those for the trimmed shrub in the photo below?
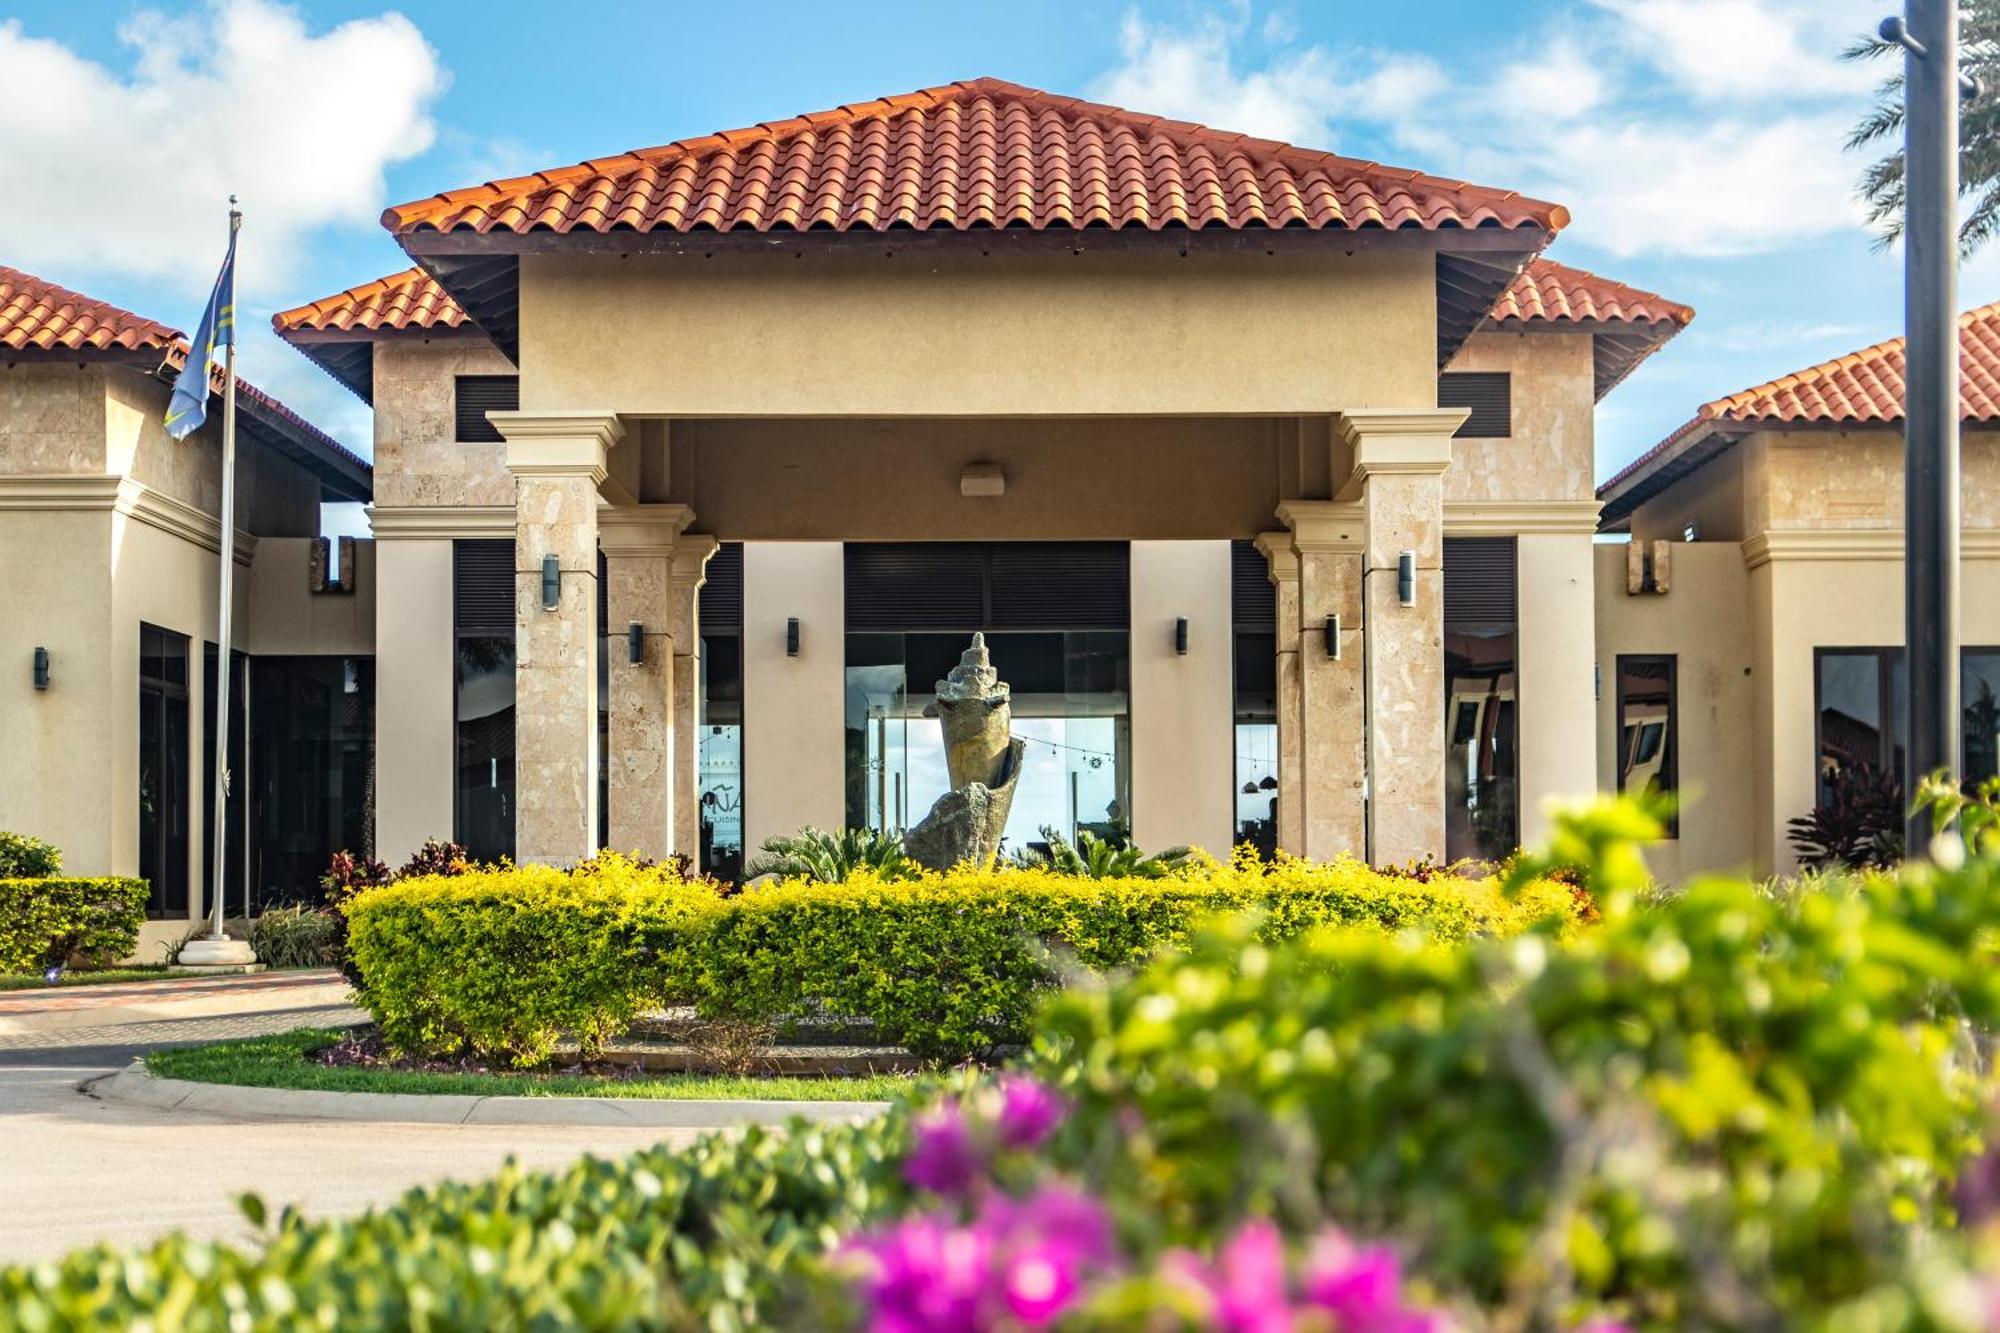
point(502, 962)
point(44, 922)
point(23, 857)
point(953, 965)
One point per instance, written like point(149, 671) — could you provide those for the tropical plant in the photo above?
point(1882, 184)
point(1858, 824)
point(299, 936)
point(437, 857)
point(1092, 857)
point(831, 857)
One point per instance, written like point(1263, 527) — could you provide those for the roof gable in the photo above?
point(1628, 324)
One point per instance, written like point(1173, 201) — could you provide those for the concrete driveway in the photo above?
point(74, 1170)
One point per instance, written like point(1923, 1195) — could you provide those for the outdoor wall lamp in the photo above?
point(1180, 636)
point(1333, 637)
point(551, 582)
point(792, 636)
point(1406, 578)
point(41, 668)
point(635, 643)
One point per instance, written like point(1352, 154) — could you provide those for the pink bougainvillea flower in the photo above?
point(924, 1274)
point(1038, 1283)
point(1362, 1286)
point(1244, 1288)
point(942, 1159)
point(1029, 1111)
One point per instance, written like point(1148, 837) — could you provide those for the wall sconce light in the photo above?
point(1406, 578)
point(1333, 637)
point(551, 583)
point(1180, 636)
point(41, 668)
point(635, 643)
point(792, 636)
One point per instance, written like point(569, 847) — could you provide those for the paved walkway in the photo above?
point(75, 1170)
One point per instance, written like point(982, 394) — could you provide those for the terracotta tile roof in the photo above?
point(1547, 290)
point(411, 299)
point(39, 318)
point(1863, 388)
point(982, 153)
point(1628, 324)
point(36, 315)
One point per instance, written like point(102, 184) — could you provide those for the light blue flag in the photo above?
point(188, 407)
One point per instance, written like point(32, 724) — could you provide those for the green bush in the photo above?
point(23, 857)
point(502, 962)
point(298, 936)
point(1722, 1109)
point(44, 922)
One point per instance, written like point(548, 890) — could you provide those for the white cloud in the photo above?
point(130, 171)
point(1698, 127)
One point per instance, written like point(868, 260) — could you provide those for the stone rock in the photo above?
point(965, 824)
point(974, 710)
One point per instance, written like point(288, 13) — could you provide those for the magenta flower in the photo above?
point(924, 1274)
point(943, 1159)
point(1038, 1283)
point(1245, 1287)
point(1029, 1111)
point(1363, 1287)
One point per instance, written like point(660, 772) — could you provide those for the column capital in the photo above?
point(1276, 548)
point(1322, 525)
point(1408, 441)
point(642, 530)
point(558, 444)
point(691, 555)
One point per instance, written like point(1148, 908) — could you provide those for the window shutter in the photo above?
point(910, 587)
point(482, 595)
point(721, 604)
point(1490, 395)
point(474, 396)
point(1253, 597)
point(1060, 586)
point(1479, 581)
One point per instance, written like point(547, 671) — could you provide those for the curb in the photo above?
point(134, 1085)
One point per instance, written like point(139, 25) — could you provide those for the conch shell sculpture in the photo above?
point(983, 760)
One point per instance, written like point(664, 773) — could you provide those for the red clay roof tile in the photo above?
point(982, 153)
point(1546, 290)
point(40, 316)
point(411, 299)
point(1861, 388)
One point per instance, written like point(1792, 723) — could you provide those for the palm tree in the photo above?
point(1978, 134)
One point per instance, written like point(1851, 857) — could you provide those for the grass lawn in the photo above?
point(280, 1062)
point(33, 980)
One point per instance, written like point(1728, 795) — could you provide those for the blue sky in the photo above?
point(1696, 142)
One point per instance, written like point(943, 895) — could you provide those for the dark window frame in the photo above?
point(490, 393)
point(1490, 396)
point(719, 615)
point(1669, 774)
point(171, 845)
point(1465, 589)
point(478, 629)
point(1886, 660)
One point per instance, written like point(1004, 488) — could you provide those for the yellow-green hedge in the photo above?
point(950, 965)
point(44, 922)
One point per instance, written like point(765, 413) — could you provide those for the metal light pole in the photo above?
point(1931, 90)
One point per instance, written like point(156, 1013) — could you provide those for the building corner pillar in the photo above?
point(1327, 636)
point(689, 570)
point(639, 542)
point(558, 461)
point(1397, 479)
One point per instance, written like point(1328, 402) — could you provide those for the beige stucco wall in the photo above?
point(274, 496)
point(51, 419)
point(287, 618)
point(1711, 497)
point(1706, 621)
point(794, 753)
point(55, 591)
point(885, 480)
point(1550, 454)
point(415, 733)
point(1555, 604)
point(1183, 729)
point(418, 458)
point(853, 333)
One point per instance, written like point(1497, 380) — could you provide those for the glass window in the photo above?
point(1256, 715)
point(312, 731)
point(1979, 697)
point(1071, 703)
point(163, 769)
point(1481, 764)
point(485, 745)
point(1648, 728)
point(1858, 690)
point(721, 779)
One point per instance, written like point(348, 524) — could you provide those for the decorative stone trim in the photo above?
point(1323, 525)
point(558, 444)
point(124, 496)
point(1514, 518)
point(642, 530)
point(1276, 548)
point(1854, 544)
point(440, 522)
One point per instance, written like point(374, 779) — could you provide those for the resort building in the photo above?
point(1267, 474)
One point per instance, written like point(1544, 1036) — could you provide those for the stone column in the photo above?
point(558, 462)
point(1284, 562)
point(1398, 478)
point(638, 543)
point(689, 570)
point(1326, 540)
